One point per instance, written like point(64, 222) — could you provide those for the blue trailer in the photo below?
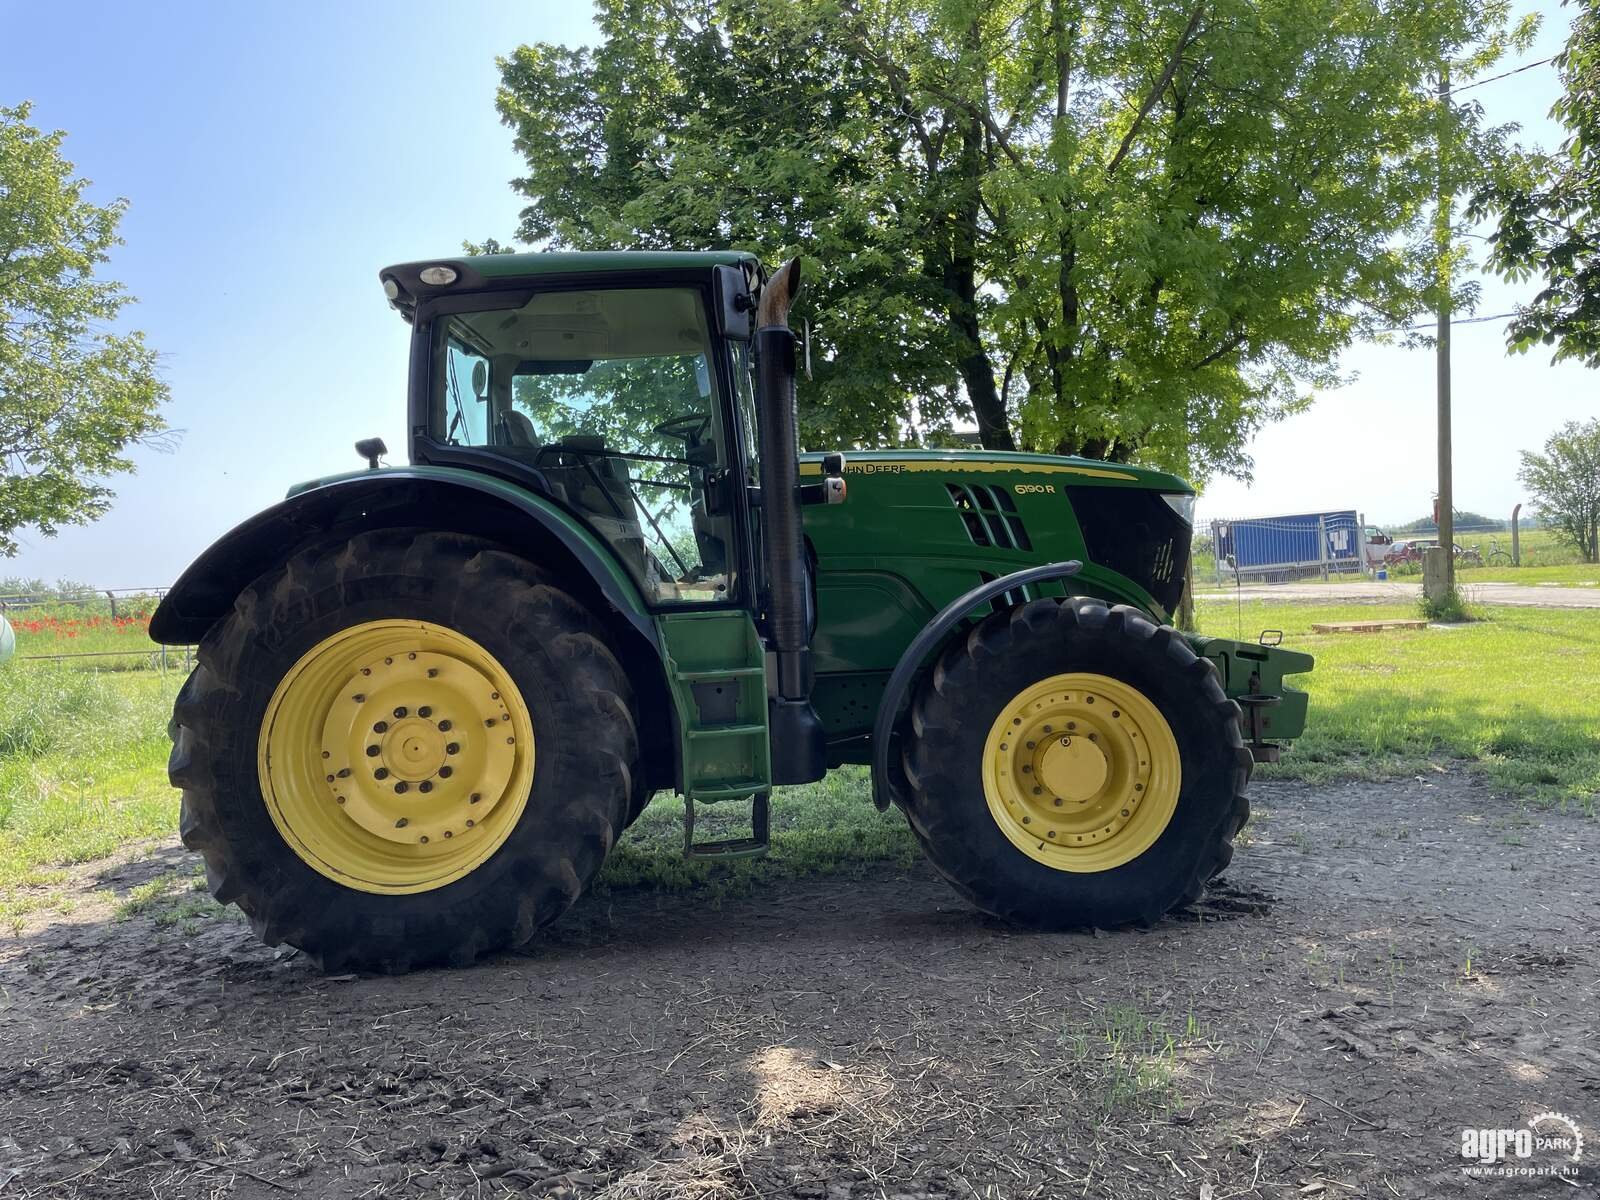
point(1290, 546)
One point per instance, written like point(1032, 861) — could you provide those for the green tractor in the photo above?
point(431, 697)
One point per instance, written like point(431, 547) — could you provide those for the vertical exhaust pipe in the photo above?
point(799, 753)
point(780, 483)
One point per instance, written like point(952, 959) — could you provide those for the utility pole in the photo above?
point(1445, 209)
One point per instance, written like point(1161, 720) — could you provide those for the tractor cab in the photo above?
point(618, 395)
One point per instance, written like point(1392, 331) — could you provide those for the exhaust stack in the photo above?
point(798, 751)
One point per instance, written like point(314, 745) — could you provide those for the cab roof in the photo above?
point(476, 270)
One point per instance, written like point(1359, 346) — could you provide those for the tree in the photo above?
point(1564, 482)
point(1548, 211)
point(73, 396)
point(1126, 228)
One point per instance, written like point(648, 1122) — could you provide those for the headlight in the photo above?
point(1181, 503)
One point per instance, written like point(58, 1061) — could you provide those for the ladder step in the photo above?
point(727, 789)
point(726, 673)
point(714, 731)
point(750, 847)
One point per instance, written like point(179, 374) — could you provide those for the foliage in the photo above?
point(1565, 483)
point(1131, 229)
point(73, 397)
point(1464, 519)
point(1452, 608)
point(1549, 222)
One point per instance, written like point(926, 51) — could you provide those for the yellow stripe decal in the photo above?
point(900, 466)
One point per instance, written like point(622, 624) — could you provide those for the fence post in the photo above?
point(1322, 543)
point(112, 596)
point(1516, 538)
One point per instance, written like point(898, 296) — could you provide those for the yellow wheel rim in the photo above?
point(396, 756)
point(1081, 772)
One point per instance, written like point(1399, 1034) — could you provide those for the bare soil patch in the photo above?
point(1383, 965)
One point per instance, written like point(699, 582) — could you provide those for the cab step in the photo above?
point(753, 846)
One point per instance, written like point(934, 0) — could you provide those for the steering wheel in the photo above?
point(689, 427)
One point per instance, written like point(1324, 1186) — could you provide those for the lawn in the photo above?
point(1515, 698)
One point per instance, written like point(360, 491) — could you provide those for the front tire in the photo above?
point(1075, 765)
point(405, 749)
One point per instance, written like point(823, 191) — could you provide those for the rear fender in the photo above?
point(439, 498)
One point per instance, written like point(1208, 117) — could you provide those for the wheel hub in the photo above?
point(1072, 768)
point(1081, 772)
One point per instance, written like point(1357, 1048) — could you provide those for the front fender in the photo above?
point(932, 636)
point(431, 497)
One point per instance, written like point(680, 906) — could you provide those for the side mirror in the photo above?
point(733, 303)
point(371, 449)
point(480, 379)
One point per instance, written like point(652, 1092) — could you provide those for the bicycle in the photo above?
point(1496, 556)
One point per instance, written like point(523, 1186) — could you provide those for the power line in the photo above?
point(1457, 321)
point(1467, 87)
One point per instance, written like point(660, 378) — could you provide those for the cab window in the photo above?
point(610, 395)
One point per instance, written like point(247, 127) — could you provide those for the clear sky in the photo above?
point(277, 155)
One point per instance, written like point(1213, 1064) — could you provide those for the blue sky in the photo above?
point(277, 155)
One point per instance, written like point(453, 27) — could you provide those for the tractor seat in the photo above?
point(517, 431)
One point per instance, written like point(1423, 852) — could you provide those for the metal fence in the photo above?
point(23, 608)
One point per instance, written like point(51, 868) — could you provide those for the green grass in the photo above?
point(1515, 697)
point(81, 765)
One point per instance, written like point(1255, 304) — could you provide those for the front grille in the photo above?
point(1135, 533)
point(990, 515)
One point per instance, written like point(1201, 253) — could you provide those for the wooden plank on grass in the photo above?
point(1365, 626)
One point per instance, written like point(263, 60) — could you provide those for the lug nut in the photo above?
point(381, 773)
point(424, 786)
point(445, 772)
point(373, 752)
point(401, 823)
point(424, 711)
point(432, 671)
point(474, 798)
point(489, 722)
point(344, 772)
point(380, 727)
point(400, 712)
point(401, 788)
point(453, 748)
point(444, 726)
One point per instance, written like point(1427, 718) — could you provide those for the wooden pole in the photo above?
point(1442, 350)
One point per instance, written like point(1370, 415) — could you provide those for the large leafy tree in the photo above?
point(1564, 482)
point(74, 396)
point(1126, 228)
point(1548, 211)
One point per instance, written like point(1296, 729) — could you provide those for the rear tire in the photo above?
point(568, 805)
point(1049, 652)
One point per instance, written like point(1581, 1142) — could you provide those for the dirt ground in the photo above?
point(1385, 965)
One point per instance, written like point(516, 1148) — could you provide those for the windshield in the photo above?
point(609, 394)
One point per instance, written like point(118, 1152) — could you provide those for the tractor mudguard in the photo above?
point(884, 788)
point(432, 497)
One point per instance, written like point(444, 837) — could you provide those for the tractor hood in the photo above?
point(957, 462)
